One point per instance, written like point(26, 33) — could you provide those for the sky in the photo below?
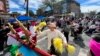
point(89, 5)
point(19, 6)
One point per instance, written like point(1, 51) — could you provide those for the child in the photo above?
point(51, 33)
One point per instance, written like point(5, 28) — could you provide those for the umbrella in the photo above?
point(24, 18)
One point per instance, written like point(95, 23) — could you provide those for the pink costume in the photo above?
point(95, 47)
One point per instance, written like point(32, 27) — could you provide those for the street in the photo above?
point(81, 47)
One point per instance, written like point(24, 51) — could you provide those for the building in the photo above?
point(4, 9)
point(67, 6)
point(4, 6)
point(75, 8)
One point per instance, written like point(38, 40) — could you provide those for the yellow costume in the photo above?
point(59, 47)
point(58, 44)
point(40, 26)
point(71, 49)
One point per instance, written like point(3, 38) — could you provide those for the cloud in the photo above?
point(90, 2)
point(35, 4)
point(19, 6)
point(13, 5)
point(90, 8)
point(21, 12)
point(89, 5)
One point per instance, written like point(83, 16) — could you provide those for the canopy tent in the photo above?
point(20, 18)
point(24, 18)
point(40, 17)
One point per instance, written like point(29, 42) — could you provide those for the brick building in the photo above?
point(4, 6)
point(68, 6)
point(75, 8)
point(4, 9)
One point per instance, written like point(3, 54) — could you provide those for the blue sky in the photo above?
point(89, 5)
point(18, 5)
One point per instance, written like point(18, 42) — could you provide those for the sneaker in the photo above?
point(1, 52)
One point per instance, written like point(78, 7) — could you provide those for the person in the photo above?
point(11, 41)
point(51, 33)
point(6, 31)
point(97, 30)
point(66, 30)
point(91, 29)
point(79, 32)
point(3, 37)
point(95, 45)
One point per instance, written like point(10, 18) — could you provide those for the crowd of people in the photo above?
point(74, 26)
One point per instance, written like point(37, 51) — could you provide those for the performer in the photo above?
point(95, 45)
point(51, 33)
point(30, 44)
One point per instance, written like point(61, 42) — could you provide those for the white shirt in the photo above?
point(92, 27)
point(32, 29)
point(52, 34)
point(12, 41)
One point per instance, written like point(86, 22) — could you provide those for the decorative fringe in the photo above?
point(71, 49)
point(58, 44)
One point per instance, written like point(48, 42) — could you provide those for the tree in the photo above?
point(55, 5)
point(15, 14)
point(40, 12)
point(98, 13)
point(92, 14)
point(48, 3)
point(31, 13)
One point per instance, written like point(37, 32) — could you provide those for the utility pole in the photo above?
point(27, 7)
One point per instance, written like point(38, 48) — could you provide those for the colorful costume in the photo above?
point(27, 48)
point(95, 47)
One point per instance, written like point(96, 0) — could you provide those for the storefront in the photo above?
point(4, 18)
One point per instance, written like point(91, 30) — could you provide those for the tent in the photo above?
point(24, 18)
